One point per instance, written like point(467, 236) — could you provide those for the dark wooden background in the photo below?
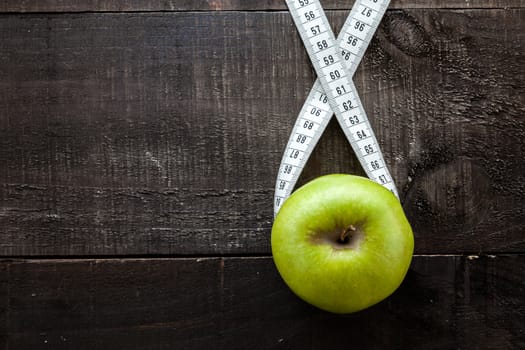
point(139, 144)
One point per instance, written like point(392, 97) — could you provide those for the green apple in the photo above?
point(342, 243)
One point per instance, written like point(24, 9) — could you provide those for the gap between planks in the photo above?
point(68, 6)
point(198, 258)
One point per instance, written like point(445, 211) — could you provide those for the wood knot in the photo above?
point(450, 198)
point(405, 32)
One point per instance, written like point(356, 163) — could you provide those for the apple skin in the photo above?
point(334, 276)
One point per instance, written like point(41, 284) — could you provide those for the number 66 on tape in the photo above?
point(334, 91)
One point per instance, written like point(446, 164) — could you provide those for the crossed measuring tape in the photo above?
point(335, 63)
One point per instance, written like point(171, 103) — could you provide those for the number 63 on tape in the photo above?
point(335, 62)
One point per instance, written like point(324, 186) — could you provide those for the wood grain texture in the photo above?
point(151, 128)
point(162, 133)
point(446, 302)
point(227, 5)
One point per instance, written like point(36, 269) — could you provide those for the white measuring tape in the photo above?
point(335, 63)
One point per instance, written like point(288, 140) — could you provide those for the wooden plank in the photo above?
point(162, 133)
point(228, 5)
point(445, 302)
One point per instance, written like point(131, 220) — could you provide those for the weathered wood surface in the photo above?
point(446, 302)
point(228, 5)
point(161, 133)
point(127, 132)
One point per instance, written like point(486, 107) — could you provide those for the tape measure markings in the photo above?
point(334, 70)
point(280, 187)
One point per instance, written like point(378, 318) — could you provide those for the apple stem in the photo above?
point(345, 233)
